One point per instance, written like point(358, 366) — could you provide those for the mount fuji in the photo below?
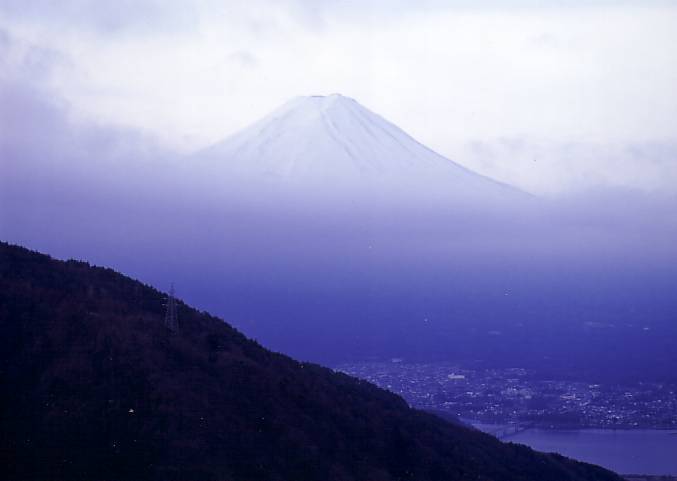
point(332, 144)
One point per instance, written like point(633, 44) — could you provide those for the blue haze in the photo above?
point(581, 286)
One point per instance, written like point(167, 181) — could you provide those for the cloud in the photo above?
point(557, 168)
point(45, 146)
point(598, 75)
point(105, 18)
point(545, 40)
point(244, 58)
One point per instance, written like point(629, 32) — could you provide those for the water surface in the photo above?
point(638, 451)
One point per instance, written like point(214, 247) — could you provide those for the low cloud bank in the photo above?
point(584, 280)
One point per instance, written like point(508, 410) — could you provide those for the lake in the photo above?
point(638, 451)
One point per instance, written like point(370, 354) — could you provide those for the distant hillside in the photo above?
point(95, 388)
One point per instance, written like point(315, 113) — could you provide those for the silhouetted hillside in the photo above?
point(95, 388)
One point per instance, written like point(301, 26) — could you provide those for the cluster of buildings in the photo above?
point(517, 396)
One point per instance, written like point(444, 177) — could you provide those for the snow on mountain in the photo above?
point(332, 142)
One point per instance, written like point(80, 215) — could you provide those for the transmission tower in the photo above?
point(171, 319)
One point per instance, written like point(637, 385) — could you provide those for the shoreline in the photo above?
point(553, 427)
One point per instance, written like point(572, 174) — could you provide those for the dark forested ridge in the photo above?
point(94, 387)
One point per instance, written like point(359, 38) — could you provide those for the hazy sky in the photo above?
point(96, 96)
point(550, 96)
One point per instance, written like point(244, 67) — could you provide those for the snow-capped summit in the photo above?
point(333, 142)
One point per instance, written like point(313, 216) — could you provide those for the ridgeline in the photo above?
point(95, 387)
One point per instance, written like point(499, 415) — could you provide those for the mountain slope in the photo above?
point(94, 387)
point(332, 142)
